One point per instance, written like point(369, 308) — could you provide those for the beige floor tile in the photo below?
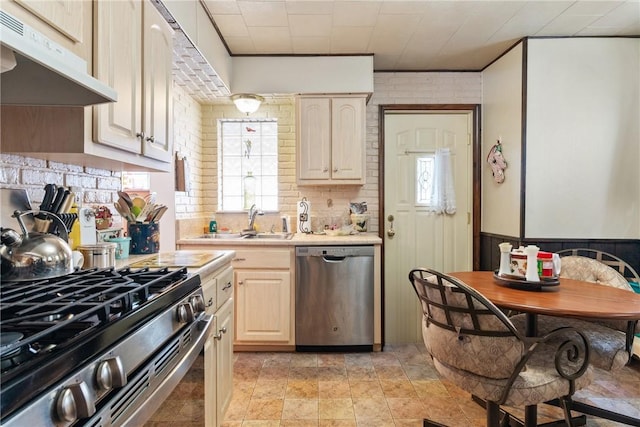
point(407, 423)
point(337, 423)
point(398, 388)
point(302, 389)
point(261, 423)
point(333, 389)
point(264, 409)
point(303, 373)
point(274, 372)
point(304, 359)
point(300, 409)
point(366, 389)
point(270, 388)
point(374, 409)
point(430, 388)
point(298, 423)
point(332, 373)
point(335, 409)
point(386, 372)
point(407, 408)
point(331, 359)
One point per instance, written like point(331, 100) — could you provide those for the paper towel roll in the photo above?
point(304, 216)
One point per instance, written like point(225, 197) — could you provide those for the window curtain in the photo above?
point(443, 197)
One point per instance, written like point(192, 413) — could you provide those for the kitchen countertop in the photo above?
point(298, 239)
point(198, 258)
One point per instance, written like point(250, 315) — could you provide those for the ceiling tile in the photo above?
point(350, 39)
point(566, 24)
point(592, 7)
point(271, 39)
point(264, 13)
point(222, 7)
point(310, 25)
point(241, 45)
point(310, 45)
point(355, 14)
point(232, 25)
point(309, 7)
point(392, 32)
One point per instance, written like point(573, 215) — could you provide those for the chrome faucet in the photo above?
point(253, 211)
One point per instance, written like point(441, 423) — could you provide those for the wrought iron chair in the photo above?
point(475, 346)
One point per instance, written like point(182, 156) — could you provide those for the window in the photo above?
point(247, 164)
point(424, 180)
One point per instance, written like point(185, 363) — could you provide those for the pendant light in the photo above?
point(246, 102)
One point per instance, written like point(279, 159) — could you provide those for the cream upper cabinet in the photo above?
point(133, 51)
point(65, 22)
point(63, 15)
point(331, 140)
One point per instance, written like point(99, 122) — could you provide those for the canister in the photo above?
point(100, 255)
point(518, 263)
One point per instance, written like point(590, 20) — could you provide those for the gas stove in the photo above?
point(73, 343)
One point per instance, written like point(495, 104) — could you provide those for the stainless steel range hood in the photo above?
point(40, 72)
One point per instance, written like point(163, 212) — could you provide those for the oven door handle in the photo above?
point(154, 401)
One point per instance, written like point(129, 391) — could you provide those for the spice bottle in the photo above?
point(545, 264)
point(213, 225)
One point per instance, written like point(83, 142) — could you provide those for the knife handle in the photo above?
point(57, 202)
point(49, 192)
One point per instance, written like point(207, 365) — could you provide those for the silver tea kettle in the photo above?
point(34, 255)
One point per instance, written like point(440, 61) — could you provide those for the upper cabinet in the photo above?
point(133, 48)
point(331, 140)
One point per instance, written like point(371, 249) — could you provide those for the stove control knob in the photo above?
point(185, 313)
point(74, 403)
point(198, 303)
point(110, 374)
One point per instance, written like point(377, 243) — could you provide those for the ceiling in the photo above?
point(415, 34)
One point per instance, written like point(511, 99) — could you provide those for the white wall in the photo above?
point(583, 138)
point(502, 118)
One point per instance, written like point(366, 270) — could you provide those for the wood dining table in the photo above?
point(568, 298)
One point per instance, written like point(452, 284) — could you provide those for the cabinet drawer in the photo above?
point(209, 289)
point(254, 258)
point(224, 288)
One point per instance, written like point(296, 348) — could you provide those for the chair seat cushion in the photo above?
point(607, 345)
point(537, 384)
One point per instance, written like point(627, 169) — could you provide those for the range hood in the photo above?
point(41, 72)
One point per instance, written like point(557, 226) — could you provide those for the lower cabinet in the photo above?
point(218, 349)
point(263, 304)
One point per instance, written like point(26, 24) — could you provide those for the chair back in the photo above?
point(465, 330)
point(605, 258)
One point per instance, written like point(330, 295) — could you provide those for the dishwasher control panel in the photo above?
point(335, 251)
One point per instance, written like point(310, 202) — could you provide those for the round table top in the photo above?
point(572, 298)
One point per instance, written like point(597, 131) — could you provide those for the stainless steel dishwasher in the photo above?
point(334, 298)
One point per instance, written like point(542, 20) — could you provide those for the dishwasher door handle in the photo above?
point(331, 258)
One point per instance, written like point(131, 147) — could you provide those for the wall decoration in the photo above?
point(497, 162)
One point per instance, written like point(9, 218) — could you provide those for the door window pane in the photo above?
point(425, 166)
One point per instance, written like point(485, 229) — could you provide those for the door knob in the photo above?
point(391, 232)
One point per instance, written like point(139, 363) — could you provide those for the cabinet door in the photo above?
point(65, 16)
point(263, 306)
point(117, 53)
point(314, 138)
point(157, 108)
point(224, 360)
point(210, 390)
point(347, 138)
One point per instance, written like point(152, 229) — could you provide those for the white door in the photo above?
point(443, 242)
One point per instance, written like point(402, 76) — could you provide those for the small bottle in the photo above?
point(545, 264)
point(213, 225)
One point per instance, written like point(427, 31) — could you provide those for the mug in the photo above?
point(77, 259)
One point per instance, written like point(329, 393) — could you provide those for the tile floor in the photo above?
point(396, 387)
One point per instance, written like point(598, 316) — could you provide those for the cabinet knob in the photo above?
point(140, 135)
point(335, 169)
point(150, 138)
point(325, 170)
point(227, 286)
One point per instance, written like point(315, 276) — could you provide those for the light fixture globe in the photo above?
point(246, 102)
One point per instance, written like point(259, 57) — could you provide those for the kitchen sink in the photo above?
point(239, 236)
point(278, 236)
point(229, 236)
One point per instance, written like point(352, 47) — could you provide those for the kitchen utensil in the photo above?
point(57, 200)
point(34, 255)
point(66, 204)
point(45, 205)
point(146, 210)
point(159, 213)
point(125, 211)
point(100, 255)
point(150, 198)
point(126, 198)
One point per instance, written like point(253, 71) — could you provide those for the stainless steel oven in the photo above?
point(99, 347)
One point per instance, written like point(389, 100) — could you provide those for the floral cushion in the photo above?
point(607, 346)
point(467, 351)
point(537, 384)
